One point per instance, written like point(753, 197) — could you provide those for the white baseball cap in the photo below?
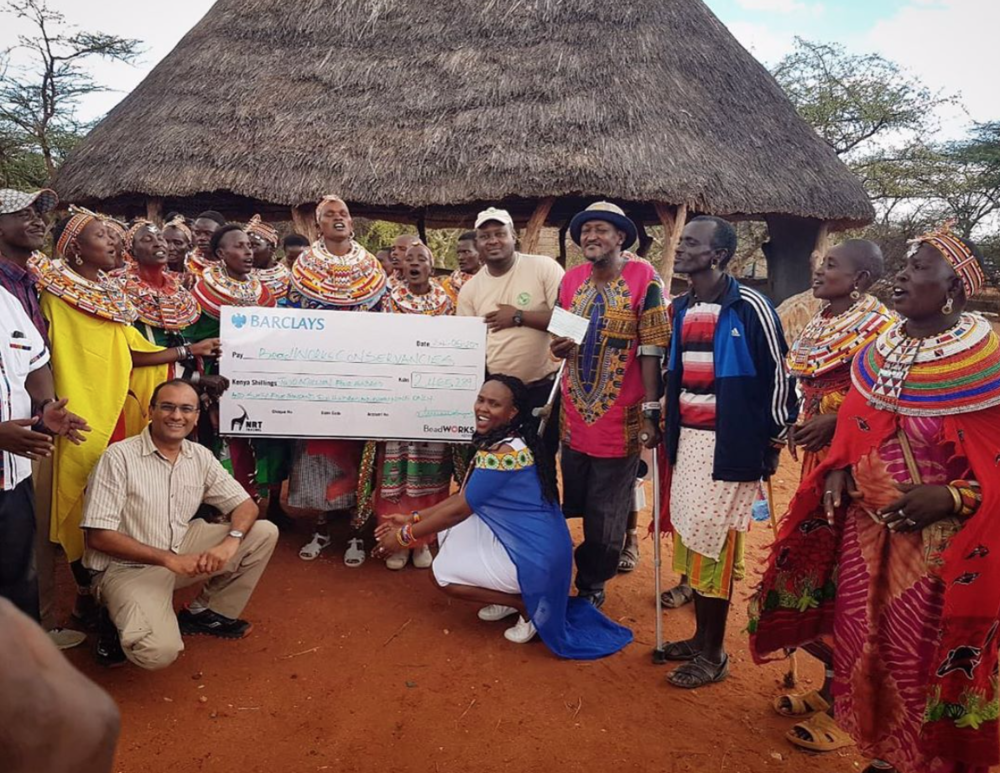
point(492, 213)
point(12, 201)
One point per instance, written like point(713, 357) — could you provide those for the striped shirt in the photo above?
point(697, 396)
point(137, 491)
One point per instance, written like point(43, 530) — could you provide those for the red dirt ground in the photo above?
point(370, 670)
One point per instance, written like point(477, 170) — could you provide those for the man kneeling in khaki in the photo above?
point(142, 543)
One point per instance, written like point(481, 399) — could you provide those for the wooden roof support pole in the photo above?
point(673, 220)
point(645, 240)
point(563, 231)
point(154, 210)
point(529, 242)
point(822, 246)
point(304, 220)
point(422, 227)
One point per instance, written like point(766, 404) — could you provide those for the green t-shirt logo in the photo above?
point(523, 299)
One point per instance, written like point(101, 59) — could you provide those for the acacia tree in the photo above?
point(38, 100)
point(856, 101)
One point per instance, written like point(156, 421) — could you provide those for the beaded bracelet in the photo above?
point(415, 516)
point(956, 499)
point(405, 536)
point(969, 496)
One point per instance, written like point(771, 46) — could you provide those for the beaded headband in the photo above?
point(259, 228)
point(180, 225)
point(115, 225)
point(957, 253)
point(137, 226)
point(80, 218)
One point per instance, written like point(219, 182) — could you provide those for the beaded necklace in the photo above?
point(195, 264)
point(243, 292)
point(354, 279)
point(104, 298)
point(435, 302)
point(217, 289)
point(957, 371)
point(170, 307)
point(459, 278)
point(276, 278)
point(828, 342)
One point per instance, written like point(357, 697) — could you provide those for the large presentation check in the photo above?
point(338, 374)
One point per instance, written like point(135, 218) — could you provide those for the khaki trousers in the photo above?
point(139, 599)
point(45, 549)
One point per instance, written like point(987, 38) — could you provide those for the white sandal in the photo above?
point(422, 557)
point(354, 556)
point(397, 560)
point(311, 550)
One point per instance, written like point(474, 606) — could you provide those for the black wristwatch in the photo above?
point(518, 318)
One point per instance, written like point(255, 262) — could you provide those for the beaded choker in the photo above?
point(103, 298)
point(459, 278)
point(355, 279)
point(828, 342)
point(276, 278)
point(434, 303)
point(170, 307)
point(216, 289)
point(195, 264)
point(957, 371)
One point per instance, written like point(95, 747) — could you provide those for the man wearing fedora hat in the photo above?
point(610, 386)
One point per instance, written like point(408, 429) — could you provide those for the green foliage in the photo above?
point(377, 235)
point(880, 120)
point(38, 100)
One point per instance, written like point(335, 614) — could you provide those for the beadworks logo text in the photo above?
point(449, 429)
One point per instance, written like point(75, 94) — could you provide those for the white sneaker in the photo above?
point(521, 632)
point(66, 638)
point(495, 612)
point(422, 557)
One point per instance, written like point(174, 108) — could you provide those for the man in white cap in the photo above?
point(22, 234)
point(610, 387)
point(515, 293)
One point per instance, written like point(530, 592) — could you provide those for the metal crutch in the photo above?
point(548, 403)
point(658, 652)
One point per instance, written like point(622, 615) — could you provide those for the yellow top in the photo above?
point(92, 366)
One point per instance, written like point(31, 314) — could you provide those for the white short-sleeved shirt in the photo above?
point(22, 351)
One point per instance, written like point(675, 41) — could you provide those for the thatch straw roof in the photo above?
point(405, 107)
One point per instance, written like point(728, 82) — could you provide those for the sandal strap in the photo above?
point(702, 672)
point(823, 729)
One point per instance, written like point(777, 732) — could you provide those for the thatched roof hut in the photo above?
point(426, 112)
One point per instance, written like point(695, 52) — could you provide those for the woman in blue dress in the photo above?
point(504, 542)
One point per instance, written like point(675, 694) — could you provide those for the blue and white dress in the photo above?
point(517, 542)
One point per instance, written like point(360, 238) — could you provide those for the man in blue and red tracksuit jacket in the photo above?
point(729, 401)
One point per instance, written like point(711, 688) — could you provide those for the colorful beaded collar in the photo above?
point(434, 303)
point(355, 279)
point(957, 371)
point(276, 278)
point(829, 342)
point(104, 298)
point(170, 307)
point(217, 289)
